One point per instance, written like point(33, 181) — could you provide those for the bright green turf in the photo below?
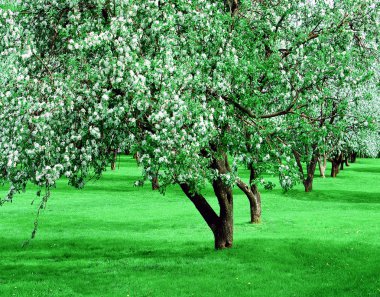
point(112, 239)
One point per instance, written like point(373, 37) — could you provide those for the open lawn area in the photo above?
point(114, 239)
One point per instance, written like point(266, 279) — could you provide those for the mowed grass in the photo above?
point(113, 239)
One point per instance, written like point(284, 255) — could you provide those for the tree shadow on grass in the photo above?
point(335, 196)
point(308, 267)
point(369, 169)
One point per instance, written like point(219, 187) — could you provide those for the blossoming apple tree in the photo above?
point(191, 85)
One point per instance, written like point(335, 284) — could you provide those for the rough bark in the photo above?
point(223, 234)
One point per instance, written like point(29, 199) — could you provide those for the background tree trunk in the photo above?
point(336, 162)
point(322, 162)
point(334, 169)
point(155, 183)
point(253, 196)
point(113, 163)
point(308, 185)
point(344, 161)
point(136, 156)
point(353, 157)
point(308, 182)
point(255, 205)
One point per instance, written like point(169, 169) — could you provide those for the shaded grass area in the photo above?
point(113, 239)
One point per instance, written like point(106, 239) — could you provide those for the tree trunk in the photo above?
point(353, 157)
point(334, 168)
point(308, 185)
point(336, 162)
point(136, 156)
point(322, 162)
point(344, 161)
point(223, 233)
point(222, 225)
point(254, 199)
point(113, 163)
point(308, 182)
point(155, 183)
point(255, 205)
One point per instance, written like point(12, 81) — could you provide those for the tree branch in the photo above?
point(204, 208)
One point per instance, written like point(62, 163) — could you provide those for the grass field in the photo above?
point(113, 239)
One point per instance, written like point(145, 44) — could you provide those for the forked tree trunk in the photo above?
point(322, 162)
point(222, 225)
point(307, 179)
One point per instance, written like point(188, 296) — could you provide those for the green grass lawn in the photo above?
point(113, 239)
